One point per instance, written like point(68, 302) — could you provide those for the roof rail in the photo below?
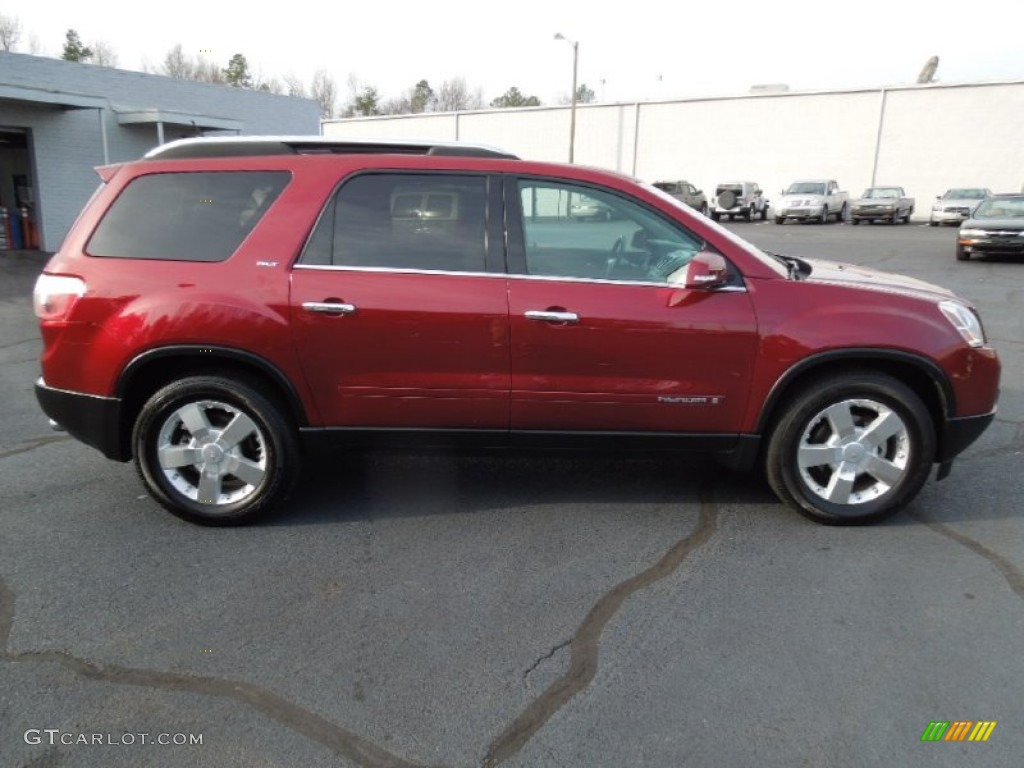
point(242, 146)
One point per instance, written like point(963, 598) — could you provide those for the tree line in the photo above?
point(362, 99)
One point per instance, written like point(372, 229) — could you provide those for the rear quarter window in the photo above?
point(192, 216)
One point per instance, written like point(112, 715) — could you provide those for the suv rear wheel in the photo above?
point(214, 450)
point(851, 449)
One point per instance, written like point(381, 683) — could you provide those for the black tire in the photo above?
point(750, 213)
point(841, 216)
point(933, 223)
point(764, 213)
point(265, 454)
point(780, 219)
point(823, 218)
point(961, 254)
point(855, 221)
point(886, 476)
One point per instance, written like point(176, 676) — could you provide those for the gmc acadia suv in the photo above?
point(223, 303)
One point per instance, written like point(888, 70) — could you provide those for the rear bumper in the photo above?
point(94, 420)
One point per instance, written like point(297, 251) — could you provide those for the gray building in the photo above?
point(60, 119)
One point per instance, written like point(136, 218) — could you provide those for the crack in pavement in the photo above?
point(339, 740)
point(584, 649)
point(1013, 575)
point(544, 658)
point(31, 445)
point(584, 645)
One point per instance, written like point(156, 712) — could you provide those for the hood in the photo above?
point(873, 279)
point(959, 202)
point(1010, 224)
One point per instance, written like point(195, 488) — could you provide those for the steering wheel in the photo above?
point(616, 256)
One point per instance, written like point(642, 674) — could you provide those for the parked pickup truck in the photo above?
point(886, 203)
point(812, 200)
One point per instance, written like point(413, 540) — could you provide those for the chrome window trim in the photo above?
point(507, 276)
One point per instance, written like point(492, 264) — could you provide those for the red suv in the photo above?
point(223, 303)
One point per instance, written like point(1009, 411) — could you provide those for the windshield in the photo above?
point(882, 193)
point(757, 253)
point(966, 194)
point(1001, 208)
point(806, 188)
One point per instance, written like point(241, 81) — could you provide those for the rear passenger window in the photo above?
point(404, 221)
point(186, 216)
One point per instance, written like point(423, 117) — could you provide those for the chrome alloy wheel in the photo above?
point(853, 451)
point(212, 452)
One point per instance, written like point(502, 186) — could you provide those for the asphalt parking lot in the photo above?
point(479, 611)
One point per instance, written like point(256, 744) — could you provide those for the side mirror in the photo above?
point(705, 271)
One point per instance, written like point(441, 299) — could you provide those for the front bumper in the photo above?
point(946, 217)
point(799, 213)
point(959, 432)
point(873, 213)
point(1001, 247)
point(94, 420)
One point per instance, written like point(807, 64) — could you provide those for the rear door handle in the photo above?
point(546, 316)
point(329, 307)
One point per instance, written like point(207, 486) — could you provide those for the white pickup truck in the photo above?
point(812, 200)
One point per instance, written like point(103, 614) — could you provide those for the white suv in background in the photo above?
point(739, 198)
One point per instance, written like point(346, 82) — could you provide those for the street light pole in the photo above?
point(572, 110)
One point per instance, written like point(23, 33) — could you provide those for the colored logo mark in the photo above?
point(959, 730)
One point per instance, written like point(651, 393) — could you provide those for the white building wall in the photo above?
point(927, 138)
point(934, 138)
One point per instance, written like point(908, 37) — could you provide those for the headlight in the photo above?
point(965, 321)
point(973, 233)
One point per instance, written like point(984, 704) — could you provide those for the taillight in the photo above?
point(55, 295)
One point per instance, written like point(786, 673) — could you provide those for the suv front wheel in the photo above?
point(214, 450)
point(851, 449)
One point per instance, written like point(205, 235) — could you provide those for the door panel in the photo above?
point(639, 357)
point(602, 336)
point(396, 318)
point(417, 350)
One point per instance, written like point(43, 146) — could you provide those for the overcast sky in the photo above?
point(643, 49)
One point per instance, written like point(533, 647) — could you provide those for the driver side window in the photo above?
point(574, 231)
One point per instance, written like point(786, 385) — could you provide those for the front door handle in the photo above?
point(329, 307)
point(548, 316)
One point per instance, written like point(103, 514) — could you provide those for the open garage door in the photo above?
point(18, 194)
